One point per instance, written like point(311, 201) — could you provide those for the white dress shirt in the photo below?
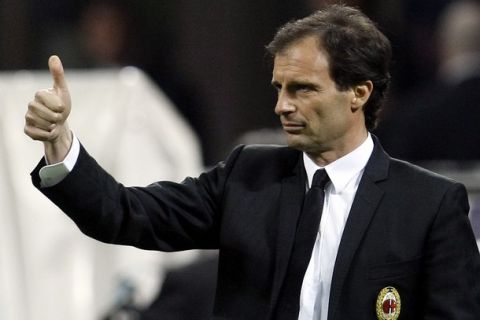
point(345, 174)
point(52, 174)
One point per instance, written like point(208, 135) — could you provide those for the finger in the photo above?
point(37, 133)
point(50, 99)
point(58, 75)
point(38, 110)
point(35, 121)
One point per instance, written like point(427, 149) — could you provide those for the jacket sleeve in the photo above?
point(163, 216)
point(452, 262)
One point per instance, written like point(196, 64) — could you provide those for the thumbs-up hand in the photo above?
point(46, 117)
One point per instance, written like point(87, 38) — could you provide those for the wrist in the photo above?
point(57, 149)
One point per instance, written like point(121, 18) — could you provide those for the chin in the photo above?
point(294, 141)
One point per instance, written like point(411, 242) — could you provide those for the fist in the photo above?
point(46, 117)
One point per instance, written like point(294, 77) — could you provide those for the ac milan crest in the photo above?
point(388, 304)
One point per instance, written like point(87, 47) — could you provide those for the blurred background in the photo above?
point(207, 56)
point(207, 61)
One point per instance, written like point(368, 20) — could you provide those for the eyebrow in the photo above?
point(296, 83)
point(275, 83)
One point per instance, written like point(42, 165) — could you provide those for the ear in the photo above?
point(361, 93)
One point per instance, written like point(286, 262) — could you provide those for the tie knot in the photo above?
point(320, 178)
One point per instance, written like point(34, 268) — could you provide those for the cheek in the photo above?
point(340, 108)
point(332, 117)
point(329, 110)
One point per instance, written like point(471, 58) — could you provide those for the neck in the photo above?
point(337, 149)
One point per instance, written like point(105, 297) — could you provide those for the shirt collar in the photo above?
point(342, 170)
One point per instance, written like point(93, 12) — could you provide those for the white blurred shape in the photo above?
point(48, 269)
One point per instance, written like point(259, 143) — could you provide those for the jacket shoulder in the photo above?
point(268, 151)
point(419, 178)
point(256, 161)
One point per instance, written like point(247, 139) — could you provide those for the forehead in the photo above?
point(304, 57)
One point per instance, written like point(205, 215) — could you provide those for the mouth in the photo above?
point(292, 127)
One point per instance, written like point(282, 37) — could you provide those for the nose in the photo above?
point(284, 105)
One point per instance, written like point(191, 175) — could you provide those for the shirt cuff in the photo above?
point(52, 174)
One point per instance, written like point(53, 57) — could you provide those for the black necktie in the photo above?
point(305, 236)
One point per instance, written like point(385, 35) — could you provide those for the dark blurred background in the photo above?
point(208, 56)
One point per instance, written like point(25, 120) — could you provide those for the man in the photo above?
point(394, 240)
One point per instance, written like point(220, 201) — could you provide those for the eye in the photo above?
point(304, 88)
point(277, 87)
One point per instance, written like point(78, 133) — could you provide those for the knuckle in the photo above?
point(32, 105)
point(57, 117)
point(29, 132)
point(30, 119)
point(55, 105)
point(39, 95)
point(59, 107)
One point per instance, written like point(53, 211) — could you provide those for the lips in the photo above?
point(292, 127)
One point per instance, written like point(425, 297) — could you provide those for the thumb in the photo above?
point(56, 70)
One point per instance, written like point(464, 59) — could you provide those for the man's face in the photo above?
point(315, 115)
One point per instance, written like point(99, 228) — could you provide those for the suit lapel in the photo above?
point(363, 209)
point(291, 199)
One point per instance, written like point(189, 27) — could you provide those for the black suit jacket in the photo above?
point(408, 228)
